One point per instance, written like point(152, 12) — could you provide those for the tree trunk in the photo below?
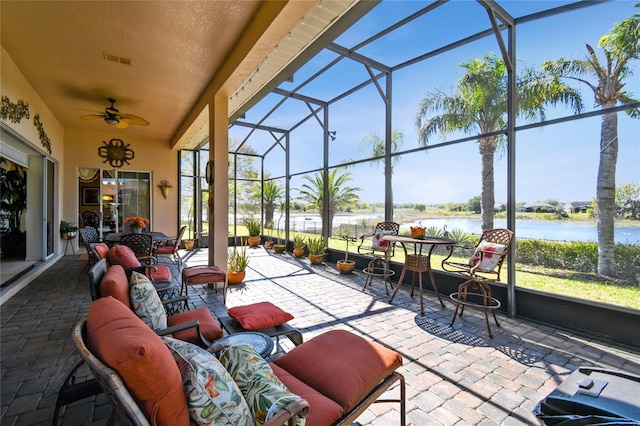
point(330, 224)
point(487, 147)
point(606, 191)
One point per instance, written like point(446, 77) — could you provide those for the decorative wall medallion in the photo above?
point(116, 152)
point(14, 112)
point(44, 139)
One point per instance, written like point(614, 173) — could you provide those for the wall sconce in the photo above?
point(164, 188)
point(107, 198)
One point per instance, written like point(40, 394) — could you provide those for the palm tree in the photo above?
point(272, 194)
point(377, 144)
point(480, 104)
point(339, 194)
point(619, 46)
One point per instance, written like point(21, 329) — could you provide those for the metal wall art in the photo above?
point(44, 139)
point(116, 152)
point(14, 112)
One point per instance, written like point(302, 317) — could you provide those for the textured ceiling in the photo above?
point(175, 49)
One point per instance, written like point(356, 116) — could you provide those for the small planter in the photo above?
point(346, 266)
point(254, 241)
point(268, 244)
point(279, 248)
point(68, 235)
point(316, 259)
point(189, 244)
point(235, 278)
point(298, 252)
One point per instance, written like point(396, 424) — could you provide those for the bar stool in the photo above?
point(204, 274)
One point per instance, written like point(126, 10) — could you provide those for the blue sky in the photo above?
point(555, 162)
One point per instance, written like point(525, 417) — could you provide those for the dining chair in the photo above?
point(170, 248)
point(142, 246)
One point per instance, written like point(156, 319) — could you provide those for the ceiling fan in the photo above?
point(112, 116)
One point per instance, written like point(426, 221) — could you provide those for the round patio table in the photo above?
point(259, 341)
point(114, 238)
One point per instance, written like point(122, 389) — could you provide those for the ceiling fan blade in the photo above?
point(91, 116)
point(122, 125)
point(133, 119)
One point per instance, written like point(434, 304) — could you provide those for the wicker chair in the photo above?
point(381, 252)
point(483, 269)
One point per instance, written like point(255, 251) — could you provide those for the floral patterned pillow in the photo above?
point(487, 255)
point(263, 390)
point(212, 395)
point(378, 243)
point(146, 303)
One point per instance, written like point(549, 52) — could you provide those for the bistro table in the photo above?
point(114, 238)
point(418, 261)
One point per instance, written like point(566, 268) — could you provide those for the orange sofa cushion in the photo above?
point(259, 315)
point(159, 273)
point(124, 256)
point(209, 327)
point(141, 359)
point(102, 249)
point(114, 283)
point(346, 367)
point(322, 410)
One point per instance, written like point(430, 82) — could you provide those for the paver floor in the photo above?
point(454, 376)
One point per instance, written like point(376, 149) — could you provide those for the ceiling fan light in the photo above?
point(111, 120)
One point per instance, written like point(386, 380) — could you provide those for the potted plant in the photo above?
point(238, 262)
point(346, 266)
point(253, 226)
point(269, 241)
point(277, 246)
point(67, 230)
point(317, 247)
point(298, 245)
point(189, 242)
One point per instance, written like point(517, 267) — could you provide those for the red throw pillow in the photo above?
point(102, 249)
point(259, 315)
point(123, 256)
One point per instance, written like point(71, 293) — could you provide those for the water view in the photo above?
point(533, 229)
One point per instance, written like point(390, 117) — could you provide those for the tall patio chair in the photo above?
point(170, 248)
point(482, 269)
point(88, 236)
point(381, 251)
point(91, 218)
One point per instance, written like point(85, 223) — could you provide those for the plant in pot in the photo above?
point(317, 247)
point(189, 243)
point(278, 247)
point(67, 230)
point(253, 226)
point(298, 245)
point(269, 241)
point(346, 266)
point(238, 262)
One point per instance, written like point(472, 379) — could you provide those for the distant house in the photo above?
point(536, 208)
point(578, 206)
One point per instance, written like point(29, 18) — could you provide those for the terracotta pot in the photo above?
point(235, 278)
point(254, 241)
point(189, 244)
point(279, 248)
point(298, 252)
point(316, 259)
point(346, 266)
point(268, 244)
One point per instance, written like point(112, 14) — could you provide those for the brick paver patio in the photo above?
point(454, 376)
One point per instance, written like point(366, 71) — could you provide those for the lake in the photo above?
point(532, 229)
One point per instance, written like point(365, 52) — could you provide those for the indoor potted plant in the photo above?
point(317, 247)
point(253, 226)
point(67, 230)
point(238, 262)
point(298, 245)
point(346, 266)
